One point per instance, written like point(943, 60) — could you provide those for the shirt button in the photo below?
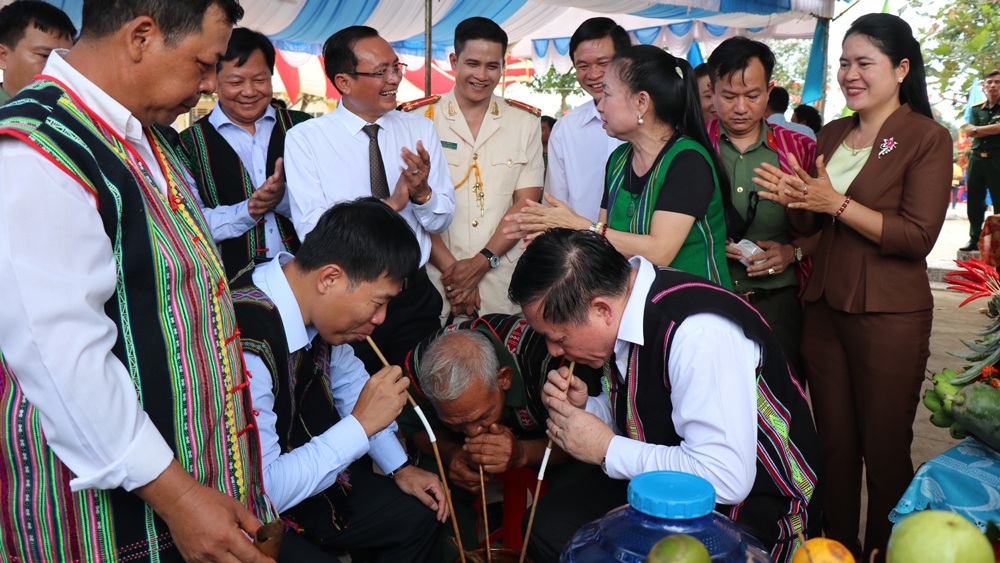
point(741, 157)
point(739, 190)
point(736, 283)
point(475, 223)
point(509, 161)
point(128, 128)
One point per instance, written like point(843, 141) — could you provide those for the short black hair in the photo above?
point(480, 28)
point(701, 71)
point(17, 16)
point(599, 28)
point(735, 55)
point(777, 100)
point(564, 270)
point(993, 72)
point(810, 116)
point(366, 238)
point(242, 44)
point(176, 18)
point(549, 119)
point(338, 51)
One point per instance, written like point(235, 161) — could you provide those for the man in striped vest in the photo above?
point(125, 420)
point(694, 381)
point(235, 154)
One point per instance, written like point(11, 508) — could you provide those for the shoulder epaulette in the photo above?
point(410, 106)
point(980, 104)
point(521, 105)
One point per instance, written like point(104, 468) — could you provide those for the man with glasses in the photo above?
point(578, 146)
point(364, 148)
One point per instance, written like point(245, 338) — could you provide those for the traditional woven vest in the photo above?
point(303, 403)
point(788, 455)
point(222, 179)
point(176, 338)
point(703, 252)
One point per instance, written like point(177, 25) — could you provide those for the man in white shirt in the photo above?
point(777, 105)
point(364, 148)
point(124, 411)
point(235, 155)
point(579, 147)
point(317, 410)
point(695, 382)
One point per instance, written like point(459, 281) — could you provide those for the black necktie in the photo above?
point(380, 186)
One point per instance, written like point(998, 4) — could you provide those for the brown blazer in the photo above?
point(910, 186)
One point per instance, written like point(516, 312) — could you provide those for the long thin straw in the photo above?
point(486, 518)
point(541, 476)
point(437, 453)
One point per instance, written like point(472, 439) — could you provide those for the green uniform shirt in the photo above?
point(983, 114)
point(770, 222)
point(4, 96)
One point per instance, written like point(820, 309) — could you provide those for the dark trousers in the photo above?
point(385, 525)
point(783, 312)
point(411, 316)
point(983, 174)
point(563, 511)
point(864, 372)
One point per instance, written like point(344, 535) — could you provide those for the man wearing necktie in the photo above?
point(362, 148)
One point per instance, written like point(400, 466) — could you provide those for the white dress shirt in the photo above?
point(579, 148)
point(292, 477)
point(713, 392)
point(326, 162)
point(779, 120)
point(57, 271)
point(231, 221)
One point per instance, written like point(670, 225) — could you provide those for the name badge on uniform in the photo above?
point(449, 145)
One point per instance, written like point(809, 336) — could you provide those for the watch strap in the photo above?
point(405, 464)
point(493, 259)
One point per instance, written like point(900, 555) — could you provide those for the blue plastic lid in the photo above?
point(671, 494)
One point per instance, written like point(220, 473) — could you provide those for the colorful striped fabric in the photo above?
point(177, 339)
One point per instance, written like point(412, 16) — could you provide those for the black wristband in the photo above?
point(405, 464)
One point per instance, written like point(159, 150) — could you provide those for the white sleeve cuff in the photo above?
point(622, 457)
point(385, 449)
point(145, 459)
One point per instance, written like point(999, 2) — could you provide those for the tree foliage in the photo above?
point(791, 61)
point(553, 82)
point(963, 42)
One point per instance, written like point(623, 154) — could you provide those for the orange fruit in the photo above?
point(823, 550)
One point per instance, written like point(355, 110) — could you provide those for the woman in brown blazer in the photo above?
point(879, 200)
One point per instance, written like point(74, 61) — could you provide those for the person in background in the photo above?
point(741, 79)
point(235, 154)
point(29, 31)
point(705, 91)
point(121, 378)
point(694, 381)
point(364, 148)
point(878, 200)
point(579, 146)
point(777, 105)
point(666, 194)
point(548, 122)
point(318, 414)
point(494, 151)
point(808, 116)
point(984, 164)
point(957, 179)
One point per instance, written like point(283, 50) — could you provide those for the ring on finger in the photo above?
point(770, 271)
point(448, 288)
point(415, 171)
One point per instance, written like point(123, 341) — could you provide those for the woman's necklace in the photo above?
point(855, 151)
point(635, 197)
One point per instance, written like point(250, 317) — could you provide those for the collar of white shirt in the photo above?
point(591, 112)
point(270, 278)
point(630, 329)
point(219, 119)
point(104, 106)
point(353, 123)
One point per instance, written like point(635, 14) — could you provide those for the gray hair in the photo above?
point(451, 361)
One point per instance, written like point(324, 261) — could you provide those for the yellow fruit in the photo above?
point(823, 550)
point(679, 548)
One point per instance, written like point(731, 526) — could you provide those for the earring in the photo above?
point(900, 79)
point(640, 119)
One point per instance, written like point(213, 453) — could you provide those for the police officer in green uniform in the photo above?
point(984, 164)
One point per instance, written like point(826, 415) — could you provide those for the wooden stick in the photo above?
point(437, 453)
point(486, 518)
point(541, 476)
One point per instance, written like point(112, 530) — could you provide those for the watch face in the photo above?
point(494, 261)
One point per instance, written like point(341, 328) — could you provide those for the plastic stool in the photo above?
point(518, 484)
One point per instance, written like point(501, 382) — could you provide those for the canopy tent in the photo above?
point(538, 29)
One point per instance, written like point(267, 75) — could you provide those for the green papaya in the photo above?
point(957, 431)
point(977, 408)
point(931, 401)
point(942, 419)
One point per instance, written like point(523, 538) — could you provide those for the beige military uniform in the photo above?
point(508, 152)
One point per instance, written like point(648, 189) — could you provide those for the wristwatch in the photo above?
point(975, 129)
point(425, 199)
point(493, 258)
point(798, 253)
point(394, 472)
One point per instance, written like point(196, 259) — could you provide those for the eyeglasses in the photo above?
point(394, 70)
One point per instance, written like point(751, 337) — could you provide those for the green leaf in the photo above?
point(979, 41)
